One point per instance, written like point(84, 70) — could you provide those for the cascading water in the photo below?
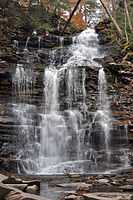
point(26, 44)
point(104, 112)
point(39, 42)
point(74, 154)
point(62, 131)
point(51, 90)
point(23, 80)
point(24, 112)
point(67, 137)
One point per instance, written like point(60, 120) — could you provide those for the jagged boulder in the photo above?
point(9, 191)
point(15, 195)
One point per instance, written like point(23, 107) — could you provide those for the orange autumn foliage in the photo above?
point(78, 21)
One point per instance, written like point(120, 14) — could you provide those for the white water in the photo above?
point(62, 133)
point(51, 82)
point(39, 42)
point(26, 44)
point(84, 49)
point(65, 139)
point(104, 112)
point(23, 80)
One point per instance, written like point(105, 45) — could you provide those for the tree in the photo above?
point(71, 15)
point(57, 5)
point(119, 30)
point(127, 15)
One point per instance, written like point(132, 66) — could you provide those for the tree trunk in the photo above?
point(126, 34)
point(113, 2)
point(128, 16)
point(113, 19)
point(71, 15)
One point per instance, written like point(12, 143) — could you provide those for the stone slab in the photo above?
point(107, 196)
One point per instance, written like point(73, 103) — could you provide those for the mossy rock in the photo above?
point(105, 24)
point(129, 57)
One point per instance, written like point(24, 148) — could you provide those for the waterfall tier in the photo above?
point(60, 114)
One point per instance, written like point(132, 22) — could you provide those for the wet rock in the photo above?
point(4, 190)
point(11, 188)
point(72, 197)
point(84, 187)
point(127, 188)
point(12, 180)
point(105, 60)
point(103, 181)
point(2, 177)
point(8, 164)
point(32, 189)
point(32, 182)
point(21, 187)
point(13, 195)
point(68, 193)
point(129, 57)
point(48, 41)
point(114, 67)
point(129, 181)
point(78, 185)
point(105, 24)
point(107, 196)
point(9, 58)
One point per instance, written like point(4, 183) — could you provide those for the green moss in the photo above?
point(39, 25)
point(120, 18)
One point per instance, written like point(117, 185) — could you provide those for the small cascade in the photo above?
point(53, 140)
point(109, 142)
point(27, 155)
point(26, 44)
point(39, 42)
point(61, 44)
point(61, 41)
point(16, 43)
point(24, 113)
point(23, 81)
point(85, 109)
point(72, 76)
point(51, 90)
point(103, 113)
point(53, 127)
point(84, 49)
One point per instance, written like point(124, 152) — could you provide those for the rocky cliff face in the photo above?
point(119, 74)
point(119, 70)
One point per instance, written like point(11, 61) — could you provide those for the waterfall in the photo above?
point(27, 155)
point(53, 140)
point(61, 134)
point(16, 44)
point(53, 126)
point(62, 131)
point(22, 80)
point(39, 42)
point(26, 44)
point(61, 41)
point(51, 90)
point(103, 112)
point(24, 113)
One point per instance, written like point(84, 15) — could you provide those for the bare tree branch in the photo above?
point(71, 15)
point(128, 16)
point(119, 30)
